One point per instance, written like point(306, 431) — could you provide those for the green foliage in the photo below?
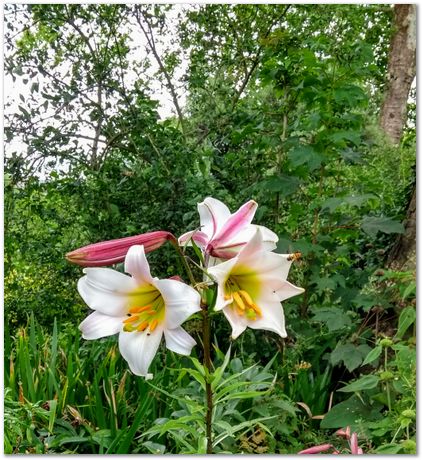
point(281, 107)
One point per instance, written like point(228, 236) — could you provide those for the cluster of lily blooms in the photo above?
point(251, 284)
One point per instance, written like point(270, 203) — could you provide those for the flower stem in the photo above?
point(184, 261)
point(206, 330)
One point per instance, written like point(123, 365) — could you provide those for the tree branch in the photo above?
point(151, 43)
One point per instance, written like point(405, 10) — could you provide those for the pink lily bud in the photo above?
point(114, 251)
point(354, 448)
point(343, 433)
point(316, 449)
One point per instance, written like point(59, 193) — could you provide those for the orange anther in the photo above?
point(238, 300)
point(257, 309)
point(142, 326)
point(139, 309)
point(131, 319)
point(153, 325)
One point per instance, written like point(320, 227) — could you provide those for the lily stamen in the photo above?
point(153, 325)
point(238, 300)
point(142, 326)
point(139, 309)
point(131, 319)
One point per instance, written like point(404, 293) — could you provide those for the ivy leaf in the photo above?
point(373, 225)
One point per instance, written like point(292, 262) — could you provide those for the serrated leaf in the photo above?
point(333, 317)
point(305, 154)
point(332, 204)
point(367, 382)
point(373, 225)
point(285, 185)
point(351, 355)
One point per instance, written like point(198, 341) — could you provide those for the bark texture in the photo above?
point(400, 74)
point(401, 71)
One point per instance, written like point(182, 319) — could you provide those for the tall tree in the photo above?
point(401, 73)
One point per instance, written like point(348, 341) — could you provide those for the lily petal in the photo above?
point(236, 223)
point(238, 323)
point(232, 248)
point(179, 341)
point(137, 265)
point(97, 325)
point(221, 272)
point(106, 290)
point(139, 349)
point(272, 318)
point(199, 237)
point(288, 290)
point(212, 214)
point(181, 300)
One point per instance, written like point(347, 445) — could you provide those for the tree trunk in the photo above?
point(400, 74)
point(401, 71)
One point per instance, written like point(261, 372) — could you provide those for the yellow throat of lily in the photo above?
point(147, 310)
point(242, 302)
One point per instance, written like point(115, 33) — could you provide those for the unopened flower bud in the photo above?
point(409, 445)
point(386, 375)
point(114, 251)
point(386, 343)
point(316, 449)
point(409, 413)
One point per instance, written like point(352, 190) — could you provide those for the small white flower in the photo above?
point(139, 308)
point(251, 287)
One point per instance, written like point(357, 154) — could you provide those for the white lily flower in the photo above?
point(222, 233)
point(251, 287)
point(139, 308)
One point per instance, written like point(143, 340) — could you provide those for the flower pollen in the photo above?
point(242, 302)
point(145, 317)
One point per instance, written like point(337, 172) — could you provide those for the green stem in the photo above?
point(206, 329)
point(185, 263)
point(387, 386)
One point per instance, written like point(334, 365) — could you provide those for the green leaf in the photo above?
point(305, 154)
point(285, 185)
point(332, 204)
point(389, 449)
point(218, 373)
point(154, 448)
point(333, 317)
point(340, 137)
point(409, 291)
point(351, 355)
point(372, 355)
point(349, 413)
point(367, 382)
point(406, 319)
point(373, 225)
